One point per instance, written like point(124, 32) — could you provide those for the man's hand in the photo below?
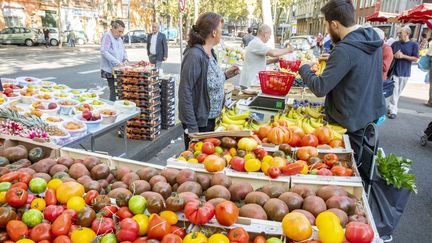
point(399, 55)
point(324, 57)
point(310, 63)
point(232, 71)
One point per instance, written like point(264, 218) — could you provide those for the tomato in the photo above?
point(238, 163)
point(324, 135)
point(72, 213)
point(41, 232)
point(16, 197)
point(214, 163)
point(178, 231)
point(54, 183)
point(260, 153)
point(330, 159)
point(259, 239)
point(329, 227)
point(82, 235)
point(201, 157)
point(108, 211)
point(109, 238)
point(124, 212)
point(90, 196)
point(214, 141)
point(6, 214)
point(357, 232)
point(85, 217)
point(38, 203)
point(16, 229)
point(62, 224)
point(208, 148)
point(25, 241)
point(129, 230)
point(292, 169)
point(50, 197)
point(218, 238)
point(195, 237)
point(227, 213)
point(32, 217)
point(171, 238)
point(238, 235)
point(348, 172)
point(20, 185)
point(317, 166)
point(2, 197)
point(103, 225)
point(274, 172)
point(338, 170)
point(305, 168)
point(143, 222)
point(324, 172)
point(30, 199)
point(296, 226)
point(337, 143)
point(274, 240)
point(62, 239)
point(247, 144)
point(137, 204)
point(52, 212)
point(158, 227)
point(170, 216)
point(252, 165)
point(309, 140)
point(37, 185)
point(307, 152)
point(69, 189)
point(198, 146)
point(198, 212)
point(16, 176)
point(76, 203)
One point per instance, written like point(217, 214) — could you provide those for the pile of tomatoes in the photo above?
point(276, 83)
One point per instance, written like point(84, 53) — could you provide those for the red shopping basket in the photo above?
point(275, 83)
point(292, 66)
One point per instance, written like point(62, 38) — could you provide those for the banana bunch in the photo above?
point(338, 131)
point(232, 117)
point(254, 125)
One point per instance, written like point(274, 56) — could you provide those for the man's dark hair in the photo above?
point(250, 29)
point(339, 10)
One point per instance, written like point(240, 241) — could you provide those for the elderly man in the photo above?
point(256, 56)
point(405, 53)
point(157, 48)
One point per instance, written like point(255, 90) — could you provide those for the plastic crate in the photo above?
point(149, 137)
point(292, 66)
point(275, 83)
point(151, 109)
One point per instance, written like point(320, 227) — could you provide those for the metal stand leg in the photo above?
point(125, 141)
point(92, 144)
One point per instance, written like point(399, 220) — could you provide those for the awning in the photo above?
point(380, 16)
point(418, 14)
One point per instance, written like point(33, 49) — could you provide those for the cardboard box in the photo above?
point(48, 148)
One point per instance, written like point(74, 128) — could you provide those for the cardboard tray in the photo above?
point(48, 148)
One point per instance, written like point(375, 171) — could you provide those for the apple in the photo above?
point(87, 115)
point(7, 91)
point(52, 106)
point(96, 117)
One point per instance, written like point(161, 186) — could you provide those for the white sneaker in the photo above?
point(387, 238)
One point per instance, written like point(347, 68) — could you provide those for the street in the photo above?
point(79, 68)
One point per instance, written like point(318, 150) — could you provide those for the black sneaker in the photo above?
point(387, 238)
point(392, 116)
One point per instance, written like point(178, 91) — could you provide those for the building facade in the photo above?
point(309, 17)
point(27, 13)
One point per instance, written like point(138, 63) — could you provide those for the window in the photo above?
point(7, 31)
point(27, 30)
point(13, 21)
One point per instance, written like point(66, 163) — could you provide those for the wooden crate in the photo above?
point(49, 149)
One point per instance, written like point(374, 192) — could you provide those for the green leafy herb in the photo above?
point(395, 170)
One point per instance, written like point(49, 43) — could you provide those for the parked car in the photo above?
point(136, 36)
point(80, 37)
point(18, 35)
point(171, 33)
point(54, 36)
point(303, 42)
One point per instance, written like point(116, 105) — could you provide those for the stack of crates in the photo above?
point(144, 89)
point(168, 107)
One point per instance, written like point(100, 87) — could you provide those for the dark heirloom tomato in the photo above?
point(85, 217)
point(6, 214)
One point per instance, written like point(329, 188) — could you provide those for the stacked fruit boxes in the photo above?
point(144, 89)
point(168, 107)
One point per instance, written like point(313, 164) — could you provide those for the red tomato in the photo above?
point(30, 198)
point(72, 213)
point(62, 239)
point(336, 144)
point(330, 159)
point(20, 185)
point(201, 157)
point(317, 166)
point(339, 170)
point(178, 231)
point(259, 239)
point(274, 172)
point(214, 141)
point(198, 212)
point(238, 235)
point(44, 241)
point(260, 153)
point(108, 211)
point(208, 148)
point(295, 140)
point(309, 140)
point(307, 152)
point(103, 225)
point(72, 229)
point(238, 163)
point(171, 238)
point(50, 197)
point(227, 213)
point(292, 169)
point(124, 212)
point(324, 172)
point(158, 227)
point(62, 224)
point(16, 197)
point(51, 212)
point(324, 135)
point(41, 232)
point(357, 232)
point(129, 229)
point(16, 229)
point(141, 240)
point(90, 196)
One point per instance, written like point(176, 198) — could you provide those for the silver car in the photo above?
point(54, 36)
point(18, 35)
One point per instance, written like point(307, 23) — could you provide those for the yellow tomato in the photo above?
point(252, 165)
point(25, 241)
point(76, 203)
point(2, 197)
point(38, 203)
point(181, 158)
point(170, 216)
point(83, 235)
point(69, 189)
point(227, 158)
point(195, 237)
point(296, 226)
point(305, 169)
point(143, 221)
point(267, 158)
point(326, 218)
point(249, 156)
point(193, 161)
point(54, 183)
point(198, 146)
point(264, 167)
point(277, 162)
point(218, 238)
point(233, 151)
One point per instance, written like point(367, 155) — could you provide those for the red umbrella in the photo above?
point(419, 14)
point(380, 16)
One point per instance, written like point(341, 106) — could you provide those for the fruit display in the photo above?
point(82, 199)
point(232, 120)
point(28, 92)
point(89, 96)
point(3, 99)
point(41, 106)
point(87, 115)
point(61, 87)
point(8, 92)
point(45, 97)
point(11, 86)
point(80, 108)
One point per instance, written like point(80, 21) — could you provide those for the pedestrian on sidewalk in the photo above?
point(352, 98)
point(157, 48)
point(46, 37)
point(247, 38)
point(72, 38)
point(201, 89)
point(113, 54)
point(429, 53)
point(387, 54)
point(405, 53)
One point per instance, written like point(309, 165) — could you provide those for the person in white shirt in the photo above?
point(157, 48)
point(256, 57)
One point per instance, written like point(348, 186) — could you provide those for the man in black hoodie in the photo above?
point(352, 80)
